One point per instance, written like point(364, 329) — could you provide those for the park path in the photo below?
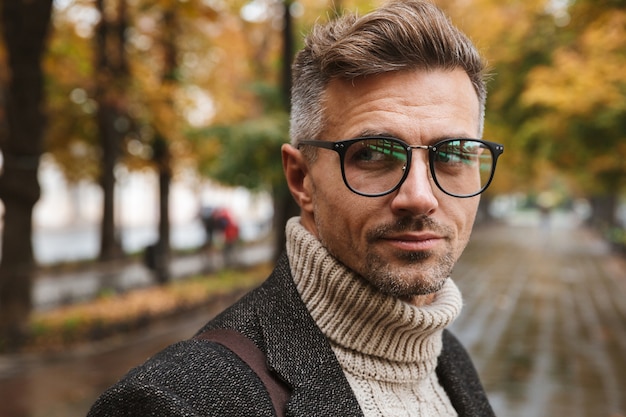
point(55, 288)
point(544, 320)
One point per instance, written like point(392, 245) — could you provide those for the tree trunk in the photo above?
point(287, 54)
point(161, 157)
point(285, 206)
point(161, 145)
point(165, 179)
point(110, 247)
point(603, 211)
point(112, 74)
point(25, 26)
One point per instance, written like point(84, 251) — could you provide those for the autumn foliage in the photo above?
point(195, 85)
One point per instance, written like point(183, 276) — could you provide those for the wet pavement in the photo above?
point(66, 384)
point(544, 320)
point(55, 288)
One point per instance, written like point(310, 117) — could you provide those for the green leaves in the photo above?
point(247, 153)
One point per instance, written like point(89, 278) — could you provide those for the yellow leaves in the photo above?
point(208, 149)
point(498, 28)
point(588, 76)
point(608, 162)
point(578, 100)
point(81, 322)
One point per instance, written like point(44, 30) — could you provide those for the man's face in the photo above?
point(404, 243)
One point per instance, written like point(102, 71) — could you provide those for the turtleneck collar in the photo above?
point(355, 316)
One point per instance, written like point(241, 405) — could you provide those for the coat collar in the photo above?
point(298, 351)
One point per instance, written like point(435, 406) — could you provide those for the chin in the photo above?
point(406, 282)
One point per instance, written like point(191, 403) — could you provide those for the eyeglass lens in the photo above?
point(460, 167)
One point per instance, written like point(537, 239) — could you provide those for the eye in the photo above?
point(378, 150)
point(457, 152)
point(366, 153)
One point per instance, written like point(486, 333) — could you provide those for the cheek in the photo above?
point(331, 211)
point(341, 220)
point(319, 188)
point(464, 215)
point(329, 192)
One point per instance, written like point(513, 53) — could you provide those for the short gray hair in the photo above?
point(401, 35)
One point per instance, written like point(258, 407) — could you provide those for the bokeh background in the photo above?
point(126, 125)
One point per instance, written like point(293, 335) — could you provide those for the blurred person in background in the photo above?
point(386, 164)
point(221, 230)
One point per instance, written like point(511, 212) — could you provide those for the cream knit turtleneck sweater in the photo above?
point(387, 348)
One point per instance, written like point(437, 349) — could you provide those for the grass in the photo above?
point(112, 314)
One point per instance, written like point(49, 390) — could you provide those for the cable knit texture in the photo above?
point(388, 349)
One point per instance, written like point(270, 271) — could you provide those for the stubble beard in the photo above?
point(413, 277)
point(412, 273)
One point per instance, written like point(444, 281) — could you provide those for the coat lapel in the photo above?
point(299, 352)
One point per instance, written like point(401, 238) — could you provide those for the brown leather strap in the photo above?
point(245, 348)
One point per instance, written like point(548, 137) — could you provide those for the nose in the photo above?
point(416, 194)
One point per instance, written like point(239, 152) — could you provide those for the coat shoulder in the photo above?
point(189, 378)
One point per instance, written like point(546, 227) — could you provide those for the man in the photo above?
point(385, 169)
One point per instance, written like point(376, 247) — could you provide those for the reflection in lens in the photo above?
point(374, 165)
point(462, 167)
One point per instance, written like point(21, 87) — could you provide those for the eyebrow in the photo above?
point(370, 132)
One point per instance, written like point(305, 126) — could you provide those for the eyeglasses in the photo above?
point(374, 166)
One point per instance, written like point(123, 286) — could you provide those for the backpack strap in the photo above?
point(245, 348)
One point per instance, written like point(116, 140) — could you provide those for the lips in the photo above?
point(414, 241)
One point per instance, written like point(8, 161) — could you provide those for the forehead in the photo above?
point(415, 105)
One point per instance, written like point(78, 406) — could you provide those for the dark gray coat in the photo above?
point(199, 378)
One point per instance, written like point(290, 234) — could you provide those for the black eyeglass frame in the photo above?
point(342, 146)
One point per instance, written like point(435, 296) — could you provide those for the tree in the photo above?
point(253, 160)
point(112, 73)
point(246, 143)
point(579, 105)
point(284, 205)
point(25, 27)
point(515, 37)
point(71, 135)
point(556, 97)
point(160, 146)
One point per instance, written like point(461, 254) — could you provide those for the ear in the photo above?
point(297, 175)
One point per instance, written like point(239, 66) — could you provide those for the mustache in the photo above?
point(407, 224)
